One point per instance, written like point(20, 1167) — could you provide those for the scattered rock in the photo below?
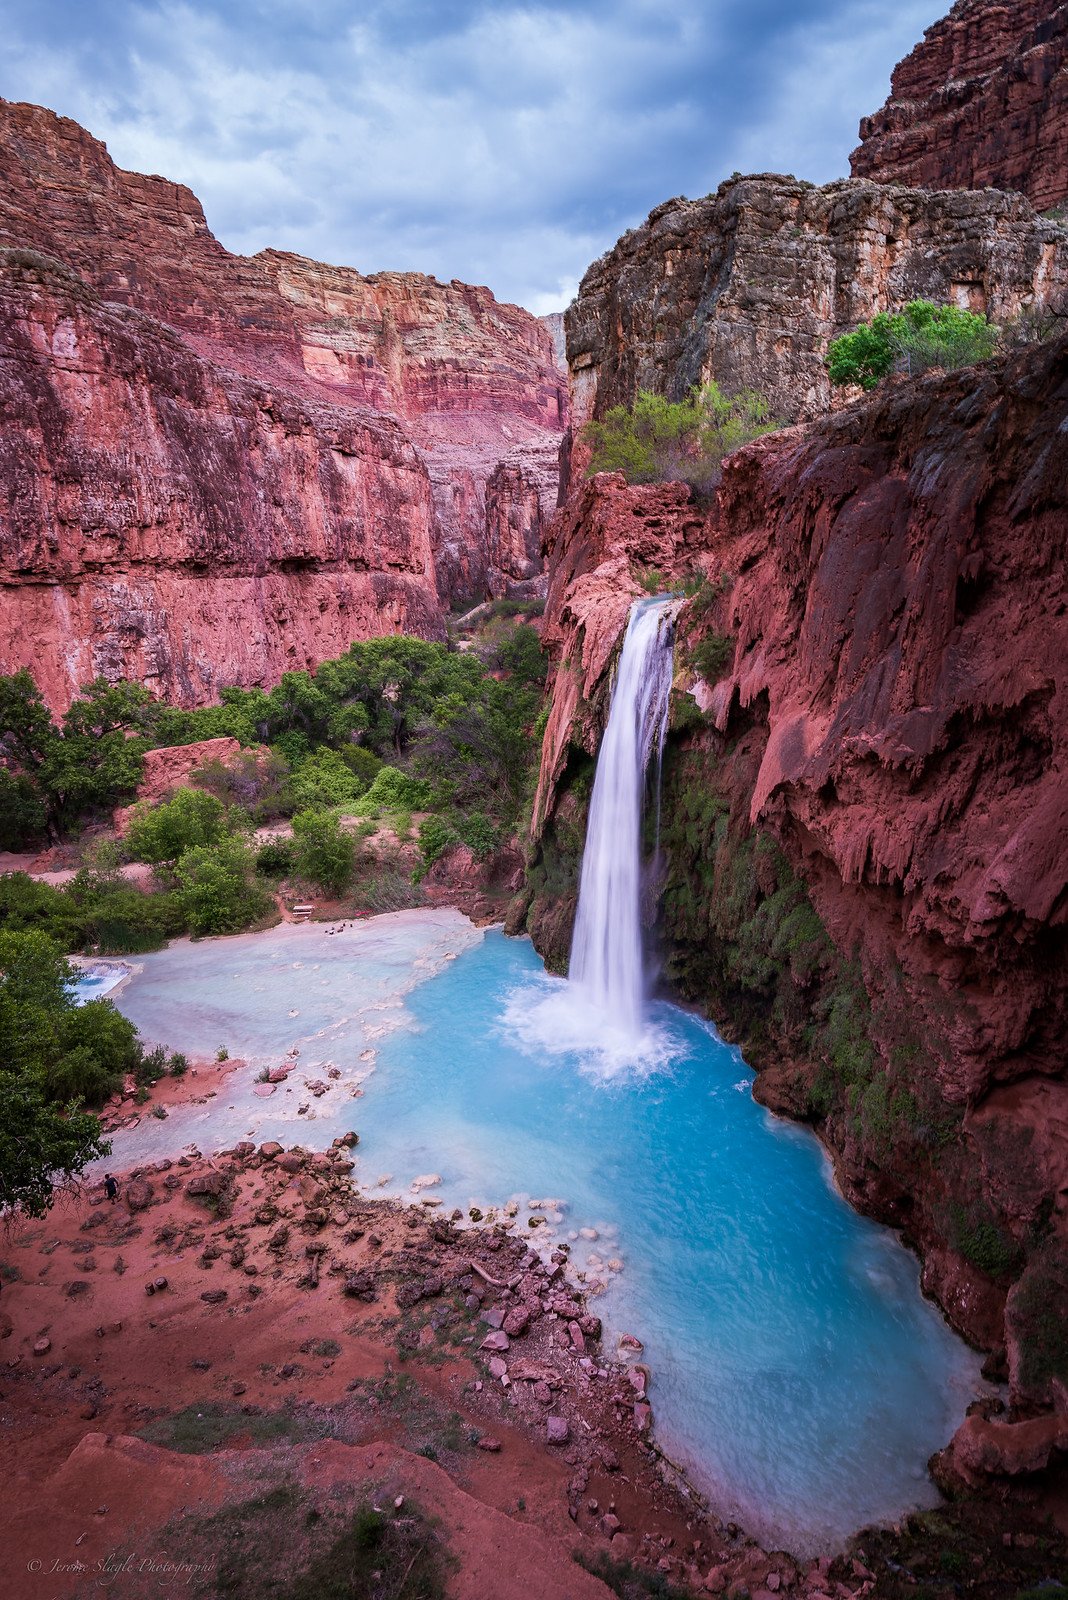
point(496, 1342)
point(516, 1322)
point(138, 1195)
point(271, 1150)
point(214, 1297)
point(488, 1443)
point(42, 1345)
point(210, 1184)
point(360, 1285)
point(557, 1430)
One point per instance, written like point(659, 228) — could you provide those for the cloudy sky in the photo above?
point(497, 142)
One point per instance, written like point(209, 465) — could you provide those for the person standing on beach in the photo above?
point(111, 1188)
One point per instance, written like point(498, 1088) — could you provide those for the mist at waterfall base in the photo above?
point(602, 1009)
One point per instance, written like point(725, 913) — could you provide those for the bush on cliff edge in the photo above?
point(666, 441)
point(915, 340)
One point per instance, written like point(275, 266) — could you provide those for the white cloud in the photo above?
point(509, 145)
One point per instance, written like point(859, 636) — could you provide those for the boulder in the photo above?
point(984, 1448)
point(208, 1185)
point(138, 1194)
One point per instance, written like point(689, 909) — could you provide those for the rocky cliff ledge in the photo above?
point(219, 466)
point(983, 101)
point(865, 805)
point(748, 285)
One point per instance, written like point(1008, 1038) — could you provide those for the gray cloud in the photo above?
point(501, 143)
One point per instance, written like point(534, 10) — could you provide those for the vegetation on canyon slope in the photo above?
point(54, 1055)
point(914, 340)
point(659, 441)
point(395, 725)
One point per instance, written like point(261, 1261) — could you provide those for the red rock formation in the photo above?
point(218, 466)
point(894, 708)
point(169, 768)
point(982, 102)
point(749, 285)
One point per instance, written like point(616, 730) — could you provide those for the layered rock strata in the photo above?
point(865, 810)
point(219, 466)
point(981, 103)
point(749, 285)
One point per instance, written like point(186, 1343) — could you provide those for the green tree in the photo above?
point(215, 889)
point(160, 834)
point(41, 1144)
point(97, 762)
point(920, 336)
point(323, 852)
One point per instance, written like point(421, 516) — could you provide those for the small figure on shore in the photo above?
point(111, 1188)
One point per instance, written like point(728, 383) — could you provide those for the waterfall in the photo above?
point(606, 951)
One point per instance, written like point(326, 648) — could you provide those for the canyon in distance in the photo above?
point(465, 838)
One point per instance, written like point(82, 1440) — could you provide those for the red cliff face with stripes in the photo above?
point(214, 468)
point(981, 103)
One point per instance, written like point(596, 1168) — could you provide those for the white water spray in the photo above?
point(606, 951)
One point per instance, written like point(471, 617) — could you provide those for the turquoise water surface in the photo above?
point(798, 1373)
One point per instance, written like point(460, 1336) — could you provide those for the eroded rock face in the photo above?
point(219, 467)
point(890, 715)
point(749, 285)
point(981, 102)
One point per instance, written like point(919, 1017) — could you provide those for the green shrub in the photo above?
point(393, 790)
point(477, 831)
point(274, 858)
point(362, 763)
point(978, 1236)
point(325, 779)
point(322, 851)
point(658, 440)
point(435, 836)
point(191, 819)
point(919, 337)
point(215, 890)
point(712, 655)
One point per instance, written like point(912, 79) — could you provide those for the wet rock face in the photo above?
point(748, 285)
point(222, 467)
point(981, 102)
point(889, 713)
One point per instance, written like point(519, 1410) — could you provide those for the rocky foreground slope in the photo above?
point(865, 804)
point(217, 467)
point(981, 102)
point(748, 286)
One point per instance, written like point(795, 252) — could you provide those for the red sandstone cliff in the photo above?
point(981, 102)
point(892, 712)
point(217, 467)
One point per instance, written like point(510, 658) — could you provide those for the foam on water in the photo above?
point(798, 1373)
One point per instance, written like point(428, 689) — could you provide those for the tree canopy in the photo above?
point(920, 336)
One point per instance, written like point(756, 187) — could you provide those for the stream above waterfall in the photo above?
point(798, 1374)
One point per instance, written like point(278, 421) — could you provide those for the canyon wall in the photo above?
point(981, 103)
point(218, 467)
point(865, 804)
point(749, 285)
